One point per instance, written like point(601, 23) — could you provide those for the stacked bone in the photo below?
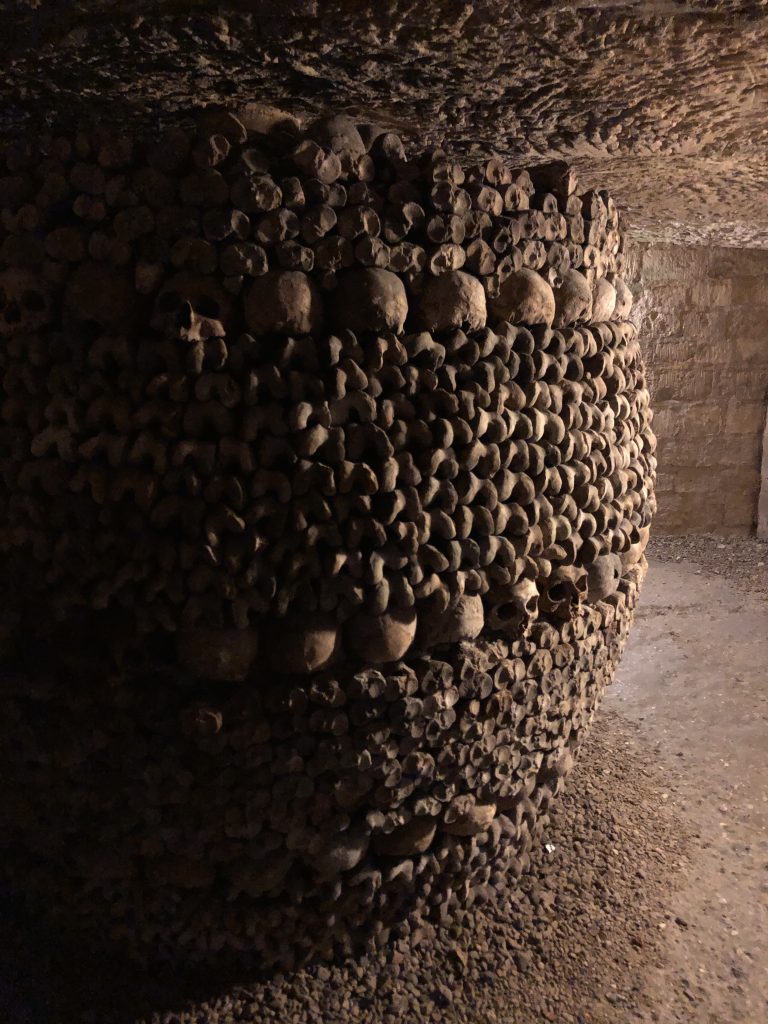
point(291, 821)
point(311, 407)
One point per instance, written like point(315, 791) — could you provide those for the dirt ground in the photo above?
point(695, 682)
point(648, 901)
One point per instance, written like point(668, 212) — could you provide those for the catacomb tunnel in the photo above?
point(330, 480)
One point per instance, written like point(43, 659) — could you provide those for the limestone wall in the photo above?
point(703, 314)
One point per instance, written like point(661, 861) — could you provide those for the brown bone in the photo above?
point(370, 299)
point(524, 297)
point(284, 302)
point(452, 300)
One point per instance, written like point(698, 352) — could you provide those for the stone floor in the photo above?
point(648, 901)
point(695, 681)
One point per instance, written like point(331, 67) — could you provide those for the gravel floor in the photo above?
point(694, 681)
point(744, 559)
point(575, 943)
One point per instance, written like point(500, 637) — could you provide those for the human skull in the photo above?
point(451, 301)
point(25, 302)
point(382, 638)
point(284, 302)
point(463, 619)
point(565, 588)
point(604, 298)
point(191, 307)
point(573, 299)
point(634, 553)
point(370, 299)
point(525, 297)
point(623, 305)
point(512, 608)
point(303, 643)
point(603, 576)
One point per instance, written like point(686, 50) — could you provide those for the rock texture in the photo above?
point(322, 601)
point(664, 102)
point(703, 318)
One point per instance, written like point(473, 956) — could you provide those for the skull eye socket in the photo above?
point(507, 611)
point(33, 301)
point(559, 592)
point(207, 306)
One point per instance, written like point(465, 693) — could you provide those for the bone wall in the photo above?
point(703, 317)
point(209, 414)
point(327, 473)
point(284, 821)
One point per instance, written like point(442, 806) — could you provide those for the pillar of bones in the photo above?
point(326, 476)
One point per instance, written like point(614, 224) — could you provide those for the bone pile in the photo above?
point(337, 463)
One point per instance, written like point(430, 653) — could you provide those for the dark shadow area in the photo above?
point(50, 976)
point(575, 940)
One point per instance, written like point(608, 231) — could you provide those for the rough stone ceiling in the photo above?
point(665, 103)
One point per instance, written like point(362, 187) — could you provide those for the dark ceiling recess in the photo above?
point(665, 103)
